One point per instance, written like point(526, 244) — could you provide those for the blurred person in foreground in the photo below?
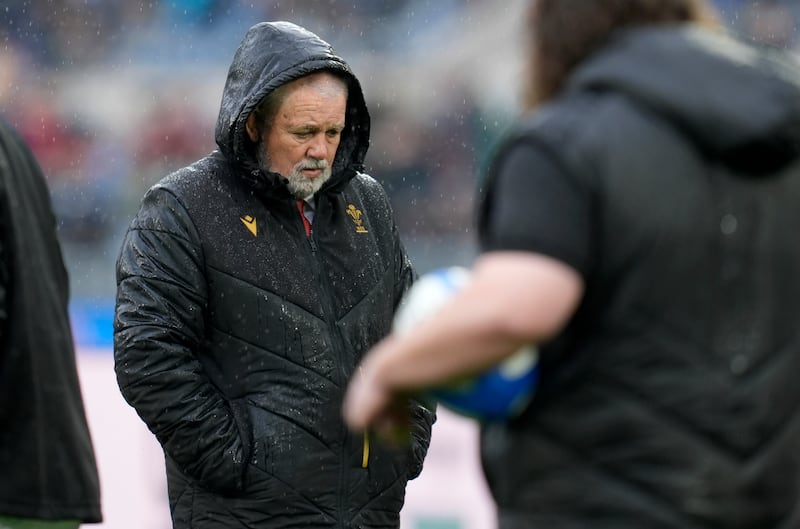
point(250, 284)
point(48, 472)
point(640, 225)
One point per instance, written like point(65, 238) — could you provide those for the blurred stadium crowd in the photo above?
point(113, 94)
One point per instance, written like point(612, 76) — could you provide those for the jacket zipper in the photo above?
point(307, 227)
point(365, 441)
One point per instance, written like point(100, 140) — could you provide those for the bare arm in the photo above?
point(513, 298)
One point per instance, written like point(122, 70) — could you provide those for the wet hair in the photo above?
point(562, 33)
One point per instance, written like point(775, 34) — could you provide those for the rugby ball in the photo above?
point(497, 394)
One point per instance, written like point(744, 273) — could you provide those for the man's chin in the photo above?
point(301, 196)
point(307, 191)
point(303, 193)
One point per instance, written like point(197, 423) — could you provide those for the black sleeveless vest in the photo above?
point(670, 401)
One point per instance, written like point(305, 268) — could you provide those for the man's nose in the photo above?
point(318, 148)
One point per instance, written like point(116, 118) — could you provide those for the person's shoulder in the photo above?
point(368, 188)
point(366, 183)
point(365, 180)
point(580, 120)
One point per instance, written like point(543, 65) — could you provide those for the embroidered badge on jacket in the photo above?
point(355, 214)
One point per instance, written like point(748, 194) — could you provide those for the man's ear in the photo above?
point(252, 129)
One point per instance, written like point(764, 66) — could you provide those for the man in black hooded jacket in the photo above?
point(249, 286)
point(640, 224)
point(48, 472)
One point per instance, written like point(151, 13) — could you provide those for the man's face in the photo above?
point(302, 141)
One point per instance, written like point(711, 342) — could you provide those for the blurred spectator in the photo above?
point(11, 59)
point(173, 136)
point(190, 13)
point(57, 141)
point(61, 33)
point(64, 147)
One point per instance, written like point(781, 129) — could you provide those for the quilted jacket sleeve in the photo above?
point(158, 328)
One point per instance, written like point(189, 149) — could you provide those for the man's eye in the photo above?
point(334, 133)
point(303, 135)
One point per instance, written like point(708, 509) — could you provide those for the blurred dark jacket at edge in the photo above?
point(47, 462)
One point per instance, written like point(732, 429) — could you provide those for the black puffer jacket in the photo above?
point(236, 333)
point(47, 462)
point(671, 401)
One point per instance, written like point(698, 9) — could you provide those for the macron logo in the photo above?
point(250, 223)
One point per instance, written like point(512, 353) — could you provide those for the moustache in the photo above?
point(312, 164)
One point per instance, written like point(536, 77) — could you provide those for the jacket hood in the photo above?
point(739, 104)
point(270, 55)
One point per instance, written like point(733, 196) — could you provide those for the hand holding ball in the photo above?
point(496, 394)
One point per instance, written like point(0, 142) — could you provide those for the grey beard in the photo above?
point(298, 185)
